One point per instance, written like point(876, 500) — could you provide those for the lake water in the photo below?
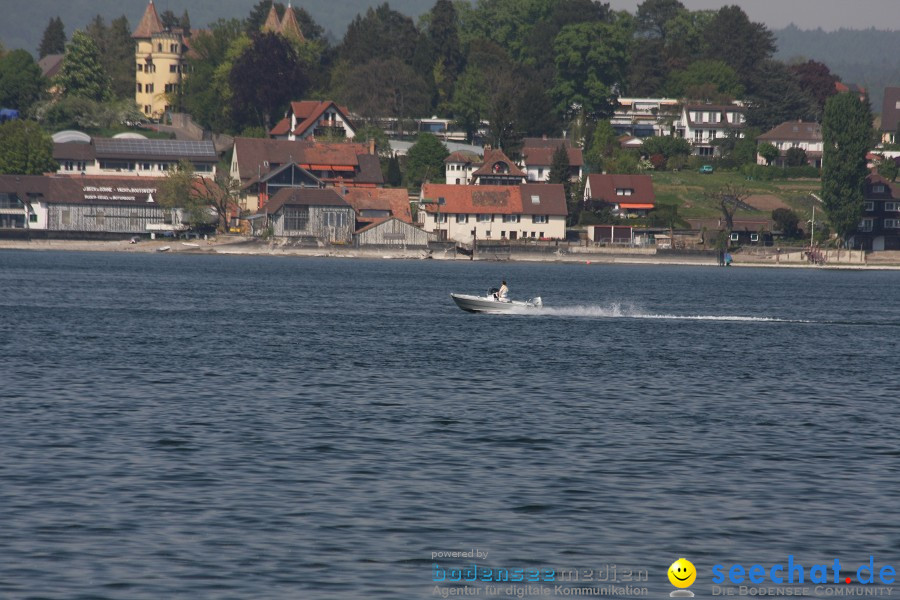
point(182, 426)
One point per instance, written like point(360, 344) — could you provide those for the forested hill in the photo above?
point(866, 57)
point(24, 21)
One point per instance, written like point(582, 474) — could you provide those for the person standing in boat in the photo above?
point(503, 292)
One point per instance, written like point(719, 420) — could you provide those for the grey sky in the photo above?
point(805, 14)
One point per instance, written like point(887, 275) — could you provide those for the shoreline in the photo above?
point(249, 247)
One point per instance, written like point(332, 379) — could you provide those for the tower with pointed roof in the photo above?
point(272, 24)
point(290, 28)
point(159, 63)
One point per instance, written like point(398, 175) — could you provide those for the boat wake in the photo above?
point(618, 310)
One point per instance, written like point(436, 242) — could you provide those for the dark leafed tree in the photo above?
point(25, 149)
point(204, 92)
point(54, 39)
point(795, 157)
point(264, 79)
point(533, 106)
point(21, 81)
point(728, 199)
point(847, 136)
point(817, 82)
point(443, 36)
point(116, 51)
point(741, 44)
point(168, 19)
point(394, 177)
point(787, 221)
point(776, 97)
point(185, 23)
point(82, 73)
point(382, 33)
point(544, 31)
point(559, 166)
point(653, 16)
point(385, 87)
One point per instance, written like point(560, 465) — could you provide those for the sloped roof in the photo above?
point(545, 142)
point(272, 24)
point(149, 23)
point(395, 200)
point(794, 131)
point(497, 199)
point(51, 64)
point(603, 187)
point(289, 25)
point(304, 197)
point(543, 156)
point(84, 189)
point(891, 190)
point(494, 156)
point(890, 109)
point(308, 111)
point(462, 156)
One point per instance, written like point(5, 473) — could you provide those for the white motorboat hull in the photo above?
point(489, 304)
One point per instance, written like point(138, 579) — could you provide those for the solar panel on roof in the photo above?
point(146, 147)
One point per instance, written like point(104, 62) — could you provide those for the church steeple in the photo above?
point(272, 24)
point(149, 24)
point(289, 25)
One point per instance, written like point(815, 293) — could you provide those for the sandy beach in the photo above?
point(237, 245)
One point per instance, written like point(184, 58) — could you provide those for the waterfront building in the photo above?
point(160, 57)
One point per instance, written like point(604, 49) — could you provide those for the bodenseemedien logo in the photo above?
point(682, 574)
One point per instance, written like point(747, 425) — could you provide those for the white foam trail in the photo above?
point(629, 311)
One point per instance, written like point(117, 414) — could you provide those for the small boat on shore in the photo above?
point(164, 249)
point(491, 304)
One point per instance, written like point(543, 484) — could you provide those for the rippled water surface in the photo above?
point(256, 427)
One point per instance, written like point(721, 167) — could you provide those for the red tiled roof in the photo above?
point(545, 142)
point(542, 156)
point(497, 199)
point(253, 154)
point(461, 156)
point(395, 200)
point(307, 112)
point(88, 189)
point(494, 156)
point(149, 24)
point(272, 24)
point(603, 187)
point(289, 25)
point(283, 127)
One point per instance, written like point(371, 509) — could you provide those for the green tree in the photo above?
point(385, 87)
point(254, 100)
point(741, 44)
point(604, 142)
point(768, 151)
point(795, 157)
point(847, 136)
point(207, 93)
point(54, 38)
point(442, 33)
point(381, 33)
point(116, 51)
point(668, 146)
point(705, 80)
point(776, 97)
point(787, 222)
point(82, 72)
point(590, 63)
point(21, 81)
point(888, 168)
point(469, 101)
point(25, 149)
point(425, 160)
point(394, 177)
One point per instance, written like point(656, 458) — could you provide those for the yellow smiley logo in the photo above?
point(682, 573)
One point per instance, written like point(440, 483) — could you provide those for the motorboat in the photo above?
point(491, 303)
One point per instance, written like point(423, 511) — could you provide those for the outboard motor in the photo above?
point(538, 303)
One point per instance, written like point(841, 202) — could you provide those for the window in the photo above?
point(706, 151)
point(533, 234)
point(68, 165)
point(296, 218)
point(878, 188)
point(510, 218)
point(754, 237)
point(541, 234)
point(66, 217)
point(140, 69)
point(487, 233)
point(624, 191)
point(335, 219)
point(462, 218)
point(868, 206)
point(482, 218)
point(865, 225)
point(440, 218)
point(892, 223)
point(502, 234)
point(133, 220)
point(538, 219)
point(735, 237)
point(140, 88)
point(535, 199)
point(457, 181)
point(892, 206)
point(32, 218)
point(172, 69)
point(540, 172)
point(101, 218)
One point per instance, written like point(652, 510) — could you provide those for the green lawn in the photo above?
point(686, 189)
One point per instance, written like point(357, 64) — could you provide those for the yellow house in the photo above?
point(160, 63)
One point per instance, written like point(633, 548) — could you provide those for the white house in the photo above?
point(493, 212)
point(702, 124)
point(312, 118)
point(794, 134)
